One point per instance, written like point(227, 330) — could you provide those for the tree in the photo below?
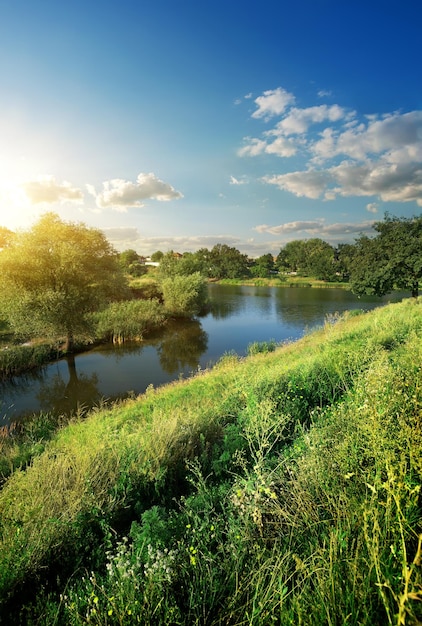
point(131, 263)
point(392, 259)
point(292, 257)
point(184, 295)
point(54, 275)
point(157, 256)
point(127, 257)
point(263, 266)
point(6, 237)
point(227, 262)
point(319, 259)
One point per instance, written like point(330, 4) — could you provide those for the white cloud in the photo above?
point(121, 235)
point(46, 190)
point(272, 102)
point(397, 136)
point(372, 207)
point(375, 155)
point(324, 93)
point(308, 184)
point(120, 194)
point(298, 120)
point(281, 147)
point(317, 228)
point(391, 182)
point(125, 238)
point(290, 227)
point(236, 181)
point(253, 148)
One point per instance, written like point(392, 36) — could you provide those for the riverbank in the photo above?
point(16, 359)
point(283, 485)
point(283, 281)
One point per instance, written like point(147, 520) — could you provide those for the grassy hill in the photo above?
point(283, 488)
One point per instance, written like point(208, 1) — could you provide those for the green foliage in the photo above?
point(16, 359)
point(263, 266)
point(128, 320)
point(53, 276)
point(128, 257)
point(157, 256)
point(6, 237)
point(311, 257)
point(280, 488)
point(227, 262)
point(184, 295)
point(132, 264)
point(391, 259)
point(261, 347)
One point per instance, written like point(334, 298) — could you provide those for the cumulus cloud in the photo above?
point(281, 147)
point(253, 147)
point(124, 238)
point(376, 155)
point(290, 227)
point(272, 102)
point(237, 181)
point(47, 190)
point(318, 228)
point(120, 194)
point(309, 184)
point(372, 207)
point(297, 121)
point(121, 235)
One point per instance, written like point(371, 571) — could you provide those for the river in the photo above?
point(238, 316)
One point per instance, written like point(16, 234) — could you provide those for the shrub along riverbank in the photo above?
point(152, 306)
point(281, 488)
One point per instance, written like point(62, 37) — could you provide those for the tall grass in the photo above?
point(281, 488)
point(128, 320)
point(16, 359)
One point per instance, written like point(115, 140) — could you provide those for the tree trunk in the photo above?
point(69, 343)
point(415, 289)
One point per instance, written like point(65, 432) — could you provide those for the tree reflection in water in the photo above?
point(182, 346)
point(81, 391)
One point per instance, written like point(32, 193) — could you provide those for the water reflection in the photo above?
point(80, 390)
point(238, 316)
point(181, 346)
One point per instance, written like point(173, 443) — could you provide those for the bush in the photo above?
point(129, 320)
point(261, 347)
point(184, 295)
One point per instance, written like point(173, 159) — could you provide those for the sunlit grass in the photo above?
point(280, 488)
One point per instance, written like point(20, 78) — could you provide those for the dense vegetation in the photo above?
point(282, 488)
point(62, 285)
point(375, 265)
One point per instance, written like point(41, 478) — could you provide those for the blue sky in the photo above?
point(178, 125)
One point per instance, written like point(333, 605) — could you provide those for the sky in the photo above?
point(176, 125)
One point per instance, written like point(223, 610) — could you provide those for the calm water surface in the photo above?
point(238, 317)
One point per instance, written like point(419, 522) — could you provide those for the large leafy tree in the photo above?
point(319, 259)
point(6, 236)
point(54, 275)
point(263, 266)
point(392, 259)
point(292, 257)
point(227, 262)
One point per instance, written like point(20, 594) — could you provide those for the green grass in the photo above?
point(280, 488)
point(283, 281)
